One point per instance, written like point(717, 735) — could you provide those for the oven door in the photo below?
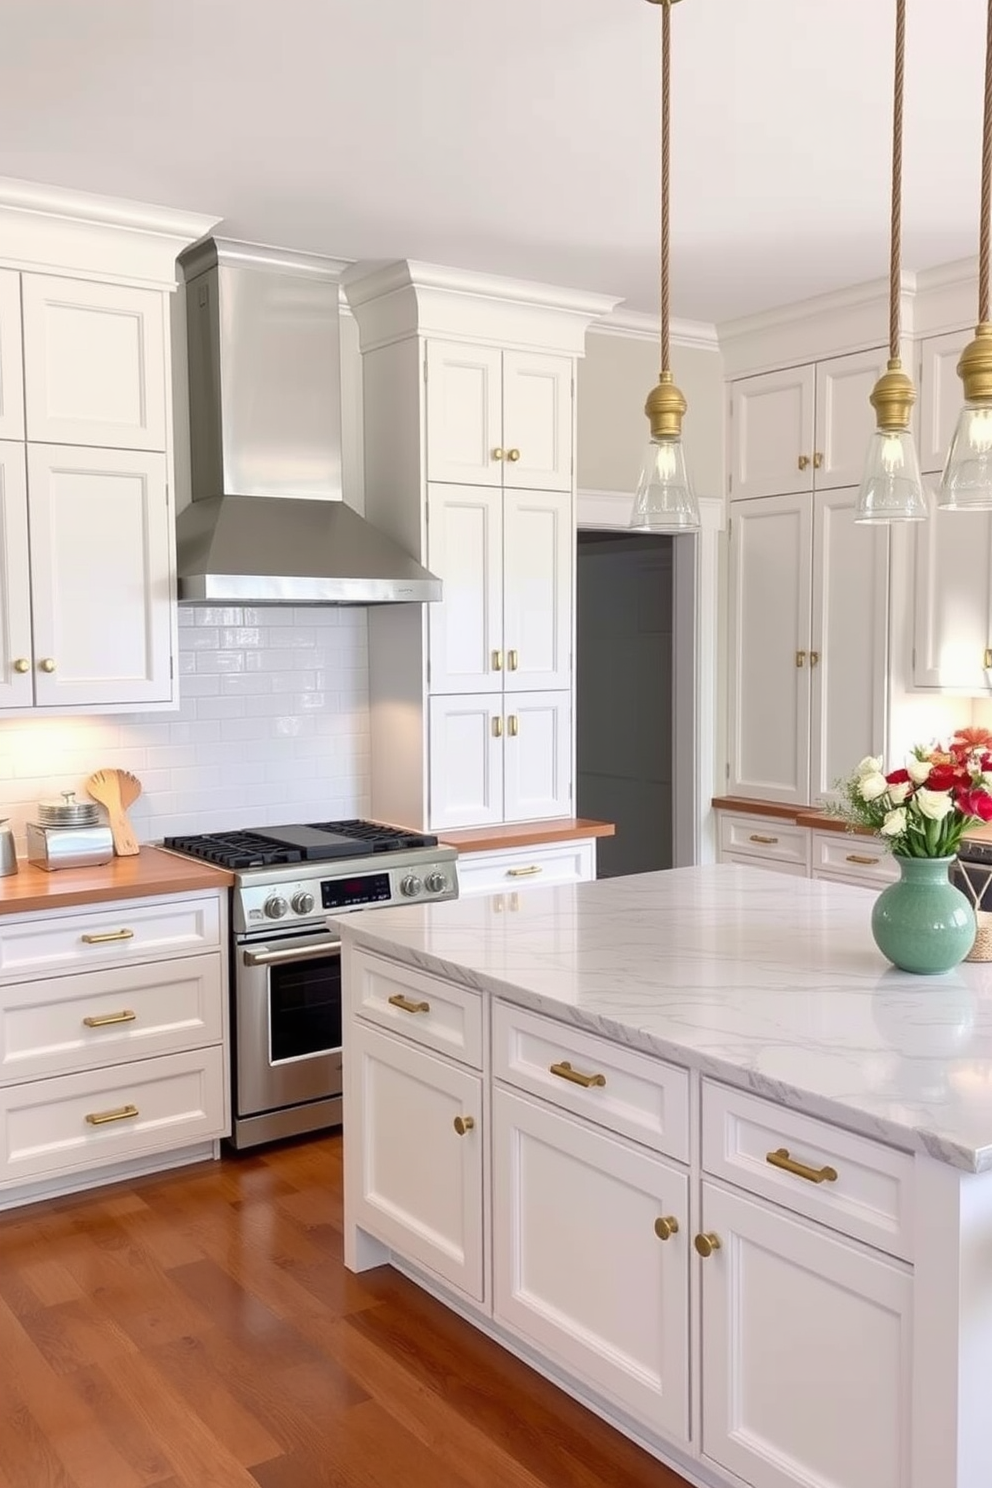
point(287, 1015)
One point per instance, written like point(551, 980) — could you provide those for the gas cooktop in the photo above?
point(264, 847)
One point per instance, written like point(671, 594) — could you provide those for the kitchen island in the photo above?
point(690, 1146)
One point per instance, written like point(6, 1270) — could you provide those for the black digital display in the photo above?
point(345, 893)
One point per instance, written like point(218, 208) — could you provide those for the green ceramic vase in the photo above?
point(923, 923)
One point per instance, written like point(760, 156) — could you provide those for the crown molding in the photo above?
point(209, 251)
point(946, 297)
point(639, 326)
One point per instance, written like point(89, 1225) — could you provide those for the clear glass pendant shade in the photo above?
point(664, 501)
point(892, 488)
point(966, 484)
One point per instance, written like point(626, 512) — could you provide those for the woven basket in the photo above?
point(982, 949)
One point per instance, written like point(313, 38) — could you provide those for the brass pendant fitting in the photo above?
point(975, 366)
point(893, 397)
point(665, 408)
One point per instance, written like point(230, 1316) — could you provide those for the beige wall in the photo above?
point(615, 377)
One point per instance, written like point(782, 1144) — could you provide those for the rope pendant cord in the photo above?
point(666, 109)
point(986, 206)
point(895, 253)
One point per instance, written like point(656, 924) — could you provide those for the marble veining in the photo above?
point(768, 982)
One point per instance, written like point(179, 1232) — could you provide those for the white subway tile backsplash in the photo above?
point(273, 727)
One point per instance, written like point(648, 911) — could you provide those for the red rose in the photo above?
point(945, 777)
point(975, 803)
point(898, 777)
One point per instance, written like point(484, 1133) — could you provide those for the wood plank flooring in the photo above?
point(198, 1329)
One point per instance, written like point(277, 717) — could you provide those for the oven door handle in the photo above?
point(287, 954)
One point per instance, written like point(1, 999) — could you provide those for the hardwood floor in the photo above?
point(199, 1330)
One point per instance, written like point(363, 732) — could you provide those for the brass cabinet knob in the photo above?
point(498, 661)
point(706, 1244)
point(803, 462)
point(666, 1227)
point(986, 664)
point(48, 664)
point(800, 658)
point(513, 725)
point(814, 658)
point(464, 1124)
point(817, 459)
point(513, 660)
point(513, 454)
point(22, 664)
point(499, 454)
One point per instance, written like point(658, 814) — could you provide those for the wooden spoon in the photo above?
point(117, 790)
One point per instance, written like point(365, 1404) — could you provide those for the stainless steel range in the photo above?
point(286, 964)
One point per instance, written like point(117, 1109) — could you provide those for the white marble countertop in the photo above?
point(769, 982)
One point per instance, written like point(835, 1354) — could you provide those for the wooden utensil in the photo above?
point(117, 790)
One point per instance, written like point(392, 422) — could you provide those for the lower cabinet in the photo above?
point(415, 1136)
point(590, 1258)
point(806, 1351)
point(513, 868)
point(784, 847)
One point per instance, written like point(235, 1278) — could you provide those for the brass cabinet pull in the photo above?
point(107, 936)
point(499, 454)
point(861, 858)
point(513, 725)
point(762, 837)
point(987, 663)
point(22, 664)
point(803, 462)
point(524, 872)
point(780, 1159)
point(667, 1227)
point(48, 664)
point(564, 1071)
point(800, 658)
point(817, 459)
point(706, 1244)
point(513, 454)
point(814, 658)
point(513, 659)
point(497, 661)
point(101, 1118)
point(104, 1020)
point(497, 727)
point(398, 1000)
point(464, 1124)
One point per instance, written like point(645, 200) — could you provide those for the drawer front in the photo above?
point(746, 860)
point(436, 1014)
point(160, 1104)
point(520, 868)
point(62, 1024)
point(638, 1097)
point(761, 837)
point(869, 1197)
point(108, 935)
point(852, 859)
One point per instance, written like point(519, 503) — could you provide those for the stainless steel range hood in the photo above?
point(267, 523)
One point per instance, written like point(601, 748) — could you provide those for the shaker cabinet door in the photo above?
point(538, 542)
point(537, 420)
point(16, 682)
point(11, 358)
point(845, 419)
point(466, 760)
point(772, 433)
point(465, 550)
point(952, 634)
point(464, 414)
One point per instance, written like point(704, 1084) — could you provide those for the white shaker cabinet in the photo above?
point(941, 396)
point(94, 363)
point(16, 682)
point(11, 358)
point(499, 758)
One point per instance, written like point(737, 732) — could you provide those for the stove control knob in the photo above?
point(411, 886)
point(436, 883)
point(275, 907)
point(303, 903)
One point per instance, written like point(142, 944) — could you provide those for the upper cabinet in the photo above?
point(802, 428)
point(941, 396)
point(498, 418)
point(11, 357)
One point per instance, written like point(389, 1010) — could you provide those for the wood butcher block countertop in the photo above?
point(152, 871)
point(526, 834)
point(808, 816)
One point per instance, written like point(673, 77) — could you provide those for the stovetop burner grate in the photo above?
point(253, 849)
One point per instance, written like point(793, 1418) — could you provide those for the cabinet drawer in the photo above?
point(869, 1196)
point(437, 1014)
point(175, 1100)
point(39, 944)
point(521, 868)
point(638, 1097)
point(62, 1024)
point(761, 837)
point(853, 859)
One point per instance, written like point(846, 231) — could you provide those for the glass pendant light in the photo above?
point(892, 488)
point(664, 501)
point(966, 484)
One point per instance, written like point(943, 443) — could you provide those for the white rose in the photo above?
point(918, 769)
point(899, 792)
point(873, 786)
point(895, 823)
point(934, 804)
point(868, 766)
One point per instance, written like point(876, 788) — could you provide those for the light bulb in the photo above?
point(891, 456)
point(664, 501)
point(892, 488)
point(966, 484)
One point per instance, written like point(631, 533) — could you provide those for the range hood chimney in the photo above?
point(267, 523)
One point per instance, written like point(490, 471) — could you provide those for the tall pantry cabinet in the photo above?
point(469, 399)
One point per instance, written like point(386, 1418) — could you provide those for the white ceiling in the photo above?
point(519, 137)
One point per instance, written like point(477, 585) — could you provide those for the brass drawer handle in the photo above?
point(667, 1227)
point(817, 459)
point(104, 1020)
point(524, 872)
point(987, 664)
point(513, 659)
point(803, 462)
point(780, 1159)
point(497, 727)
point(497, 661)
point(814, 658)
point(706, 1244)
point(101, 1118)
point(107, 936)
point(513, 725)
point(565, 1072)
point(464, 1124)
point(800, 658)
point(861, 858)
point(398, 1000)
point(760, 837)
